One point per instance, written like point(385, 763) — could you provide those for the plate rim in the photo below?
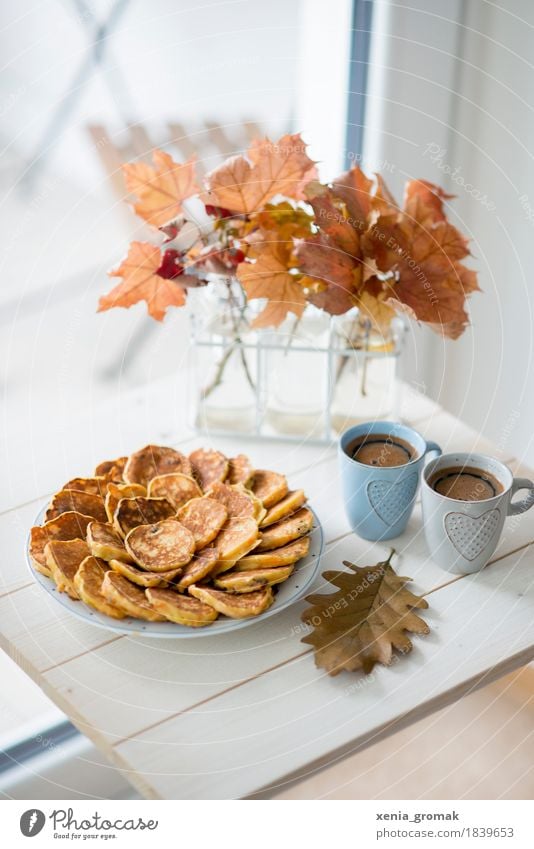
point(144, 630)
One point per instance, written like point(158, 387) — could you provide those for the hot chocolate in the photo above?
point(380, 449)
point(465, 483)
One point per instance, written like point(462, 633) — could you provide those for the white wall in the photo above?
point(410, 101)
point(487, 376)
point(324, 51)
point(453, 90)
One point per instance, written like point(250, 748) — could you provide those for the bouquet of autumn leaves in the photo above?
point(264, 219)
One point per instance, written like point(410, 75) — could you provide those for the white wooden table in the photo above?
point(241, 714)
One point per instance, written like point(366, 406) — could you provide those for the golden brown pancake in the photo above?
point(67, 500)
point(276, 557)
point(161, 546)
point(204, 517)
point(240, 470)
point(177, 488)
point(88, 582)
point(181, 608)
point(93, 486)
point(235, 606)
point(269, 487)
point(63, 558)
point(105, 542)
point(119, 591)
point(152, 461)
point(285, 507)
point(287, 530)
point(111, 469)
point(237, 501)
point(208, 466)
point(132, 512)
point(236, 539)
point(198, 568)
point(116, 491)
point(141, 577)
point(70, 525)
point(246, 582)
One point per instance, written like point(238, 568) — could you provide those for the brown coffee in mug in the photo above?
point(465, 483)
point(381, 449)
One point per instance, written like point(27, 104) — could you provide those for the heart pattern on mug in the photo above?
point(469, 535)
point(390, 500)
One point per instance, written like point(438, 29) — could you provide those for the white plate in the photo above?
point(288, 593)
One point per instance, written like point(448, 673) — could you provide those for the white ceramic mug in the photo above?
point(462, 535)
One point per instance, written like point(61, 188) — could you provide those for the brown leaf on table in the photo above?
point(269, 277)
point(161, 188)
point(244, 184)
point(361, 623)
point(142, 282)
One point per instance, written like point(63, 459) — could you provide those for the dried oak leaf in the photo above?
point(161, 188)
point(146, 277)
point(269, 277)
point(360, 624)
point(244, 184)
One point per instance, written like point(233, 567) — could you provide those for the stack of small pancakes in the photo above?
point(164, 537)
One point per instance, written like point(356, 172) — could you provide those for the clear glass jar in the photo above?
point(224, 367)
point(364, 371)
point(307, 379)
point(296, 374)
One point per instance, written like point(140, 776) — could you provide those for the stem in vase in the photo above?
point(219, 372)
point(363, 388)
point(237, 337)
point(237, 343)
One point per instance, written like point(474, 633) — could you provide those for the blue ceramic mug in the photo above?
point(379, 499)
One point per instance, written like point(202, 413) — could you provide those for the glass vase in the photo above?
point(296, 378)
point(364, 379)
point(224, 365)
point(310, 378)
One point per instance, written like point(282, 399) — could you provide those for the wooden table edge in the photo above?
point(380, 733)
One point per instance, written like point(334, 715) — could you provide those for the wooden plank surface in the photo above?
point(294, 717)
point(102, 680)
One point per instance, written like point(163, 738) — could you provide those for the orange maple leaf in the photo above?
point(343, 213)
point(245, 184)
point(268, 277)
point(355, 190)
point(333, 255)
point(141, 282)
point(161, 188)
point(423, 254)
point(424, 201)
point(336, 272)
